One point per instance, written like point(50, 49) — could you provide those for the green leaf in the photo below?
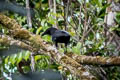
point(38, 57)
point(38, 30)
point(6, 59)
point(88, 42)
point(19, 57)
point(26, 55)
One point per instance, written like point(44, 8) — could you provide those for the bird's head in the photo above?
point(49, 31)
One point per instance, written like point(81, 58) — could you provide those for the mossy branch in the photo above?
point(96, 60)
point(36, 42)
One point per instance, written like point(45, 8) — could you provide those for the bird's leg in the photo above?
point(56, 45)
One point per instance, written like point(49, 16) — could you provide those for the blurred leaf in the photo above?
point(38, 57)
point(13, 59)
point(76, 49)
point(117, 18)
point(26, 55)
point(47, 38)
point(43, 22)
point(38, 30)
point(6, 59)
point(88, 42)
point(19, 57)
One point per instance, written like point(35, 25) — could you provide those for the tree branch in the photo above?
point(36, 42)
point(96, 60)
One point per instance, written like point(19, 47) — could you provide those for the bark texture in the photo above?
point(40, 46)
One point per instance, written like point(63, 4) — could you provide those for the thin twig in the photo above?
point(66, 10)
point(29, 22)
point(55, 25)
point(80, 15)
point(85, 23)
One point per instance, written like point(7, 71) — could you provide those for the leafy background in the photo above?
point(93, 43)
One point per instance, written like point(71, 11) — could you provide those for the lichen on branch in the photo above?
point(36, 42)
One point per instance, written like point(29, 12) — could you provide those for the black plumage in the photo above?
point(58, 36)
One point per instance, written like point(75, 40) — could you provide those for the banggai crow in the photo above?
point(58, 36)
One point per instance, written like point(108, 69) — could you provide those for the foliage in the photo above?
point(93, 39)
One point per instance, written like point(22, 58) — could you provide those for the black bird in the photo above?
point(58, 36)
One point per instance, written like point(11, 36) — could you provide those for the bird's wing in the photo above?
point(61, 33)
point(60, 36)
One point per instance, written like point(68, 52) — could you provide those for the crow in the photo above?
point(58, 36)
